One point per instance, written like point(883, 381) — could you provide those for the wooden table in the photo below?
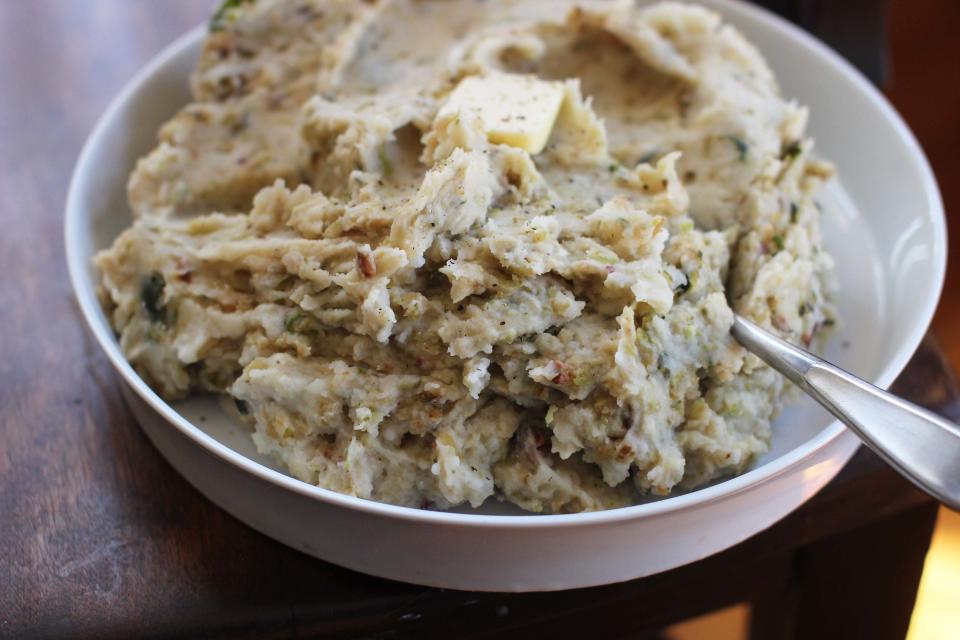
point(100, 538)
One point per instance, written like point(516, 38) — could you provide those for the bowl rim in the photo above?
point(84, 290)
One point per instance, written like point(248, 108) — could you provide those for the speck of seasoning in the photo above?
point(778, 241)
point(794, 211)
point(222, 15)
point(741, 146)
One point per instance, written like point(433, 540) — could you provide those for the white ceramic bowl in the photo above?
point(885, 227)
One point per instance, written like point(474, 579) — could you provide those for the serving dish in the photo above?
point(884, 225)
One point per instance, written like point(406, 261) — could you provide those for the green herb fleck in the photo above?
point(741, 146)
point(294, 322)
point(791, 151)
point(155, 332)
point(778, 241)
point(804, 307)
point(612, 168)
point(151, 294)
point(794, 212)
point(385, 163)
point(731, 410)
point(224, 14)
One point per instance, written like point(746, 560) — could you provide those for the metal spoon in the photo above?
point(922, 446)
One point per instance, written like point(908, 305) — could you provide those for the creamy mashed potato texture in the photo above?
point(437, 252)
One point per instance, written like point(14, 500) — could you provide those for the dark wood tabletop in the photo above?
point(100, 538)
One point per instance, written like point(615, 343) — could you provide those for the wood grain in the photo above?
point(925, 87)
point(100, 538)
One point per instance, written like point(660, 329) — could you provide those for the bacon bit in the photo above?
point(365, 264)
point(610, 268)
point(624, 452)
point(186, 276)
point(541, 443)
point(781, 323)
point(808, 337)
point(563, 376)
point(420, 364)
point(229, 308)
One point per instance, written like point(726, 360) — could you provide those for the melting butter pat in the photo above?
point(517, 110)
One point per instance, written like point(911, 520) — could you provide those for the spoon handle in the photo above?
point(919, 444)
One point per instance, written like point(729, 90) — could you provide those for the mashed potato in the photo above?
point(438, 251)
